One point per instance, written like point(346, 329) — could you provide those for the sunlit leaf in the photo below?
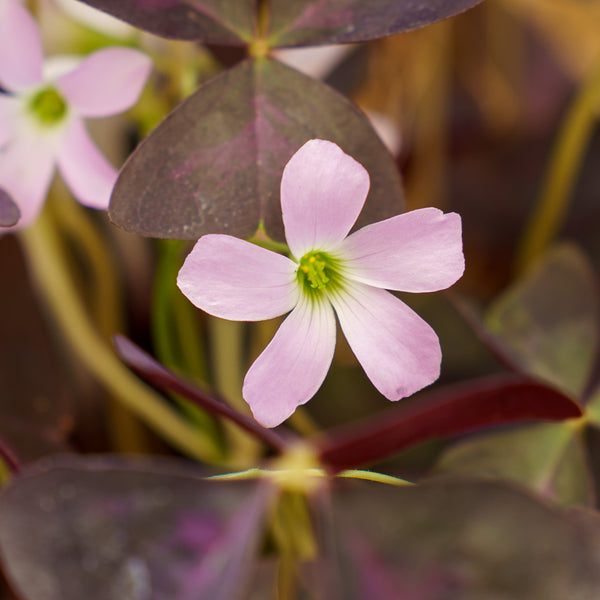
point(227, 22)
point(36, 413)
point(460, 540)
point(550, 322)
point(215, 164)
point(548, 457)
point(310, 22)
point(456, 409)
point(109, 529)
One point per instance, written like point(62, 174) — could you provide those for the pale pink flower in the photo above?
point(42, 106)
point(330, 272)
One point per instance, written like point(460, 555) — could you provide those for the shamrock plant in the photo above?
point(279, 203)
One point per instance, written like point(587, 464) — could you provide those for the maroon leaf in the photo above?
point(9, 211)
point(109, 529)
point(215, 164)
point(226, 22)
point(311, 22)
point(457, 409)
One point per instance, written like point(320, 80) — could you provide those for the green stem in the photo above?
point(174, 328)
point(46, 263)
point(126, 431)
point(562, 172)
point(176, 335)
point(227, 352)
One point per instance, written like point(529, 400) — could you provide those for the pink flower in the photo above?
point(330, 272)
point(42, 106)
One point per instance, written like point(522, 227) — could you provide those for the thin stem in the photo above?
point(174, 332)
point(47, 265)
point(226, 339)
point(562, 172)
point(126, 432)
point(159, 376)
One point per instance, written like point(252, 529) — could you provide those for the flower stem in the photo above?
point(227, 351)
point(126, 432)
point(176, 335)
point(564, 166)
point(47, 265)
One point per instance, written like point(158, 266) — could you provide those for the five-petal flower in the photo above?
point(330, 272)
point(42, 106)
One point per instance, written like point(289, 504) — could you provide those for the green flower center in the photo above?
point(318, 271)
point(48, 106)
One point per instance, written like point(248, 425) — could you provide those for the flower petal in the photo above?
point(323, 191)
point(21, 55)
point(9, 107)
point(234, 279)
point(418, 251)
point(26, 169)
point(293, 366)
point(88, 174)
point(399, 352)
point(107, 82)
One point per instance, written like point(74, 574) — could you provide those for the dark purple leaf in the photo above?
point(227, 22)
point(9, 211)
point(215, 164)
point(311, 22)
point(110, 529)
point(456, 409)
point(36, 412)
point(155, 374)
point(458, 540)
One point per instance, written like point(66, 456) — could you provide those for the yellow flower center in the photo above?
point(48, 107)
point(318, 271)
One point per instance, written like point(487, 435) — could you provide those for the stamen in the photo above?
point(317, 271)
point(48, 106)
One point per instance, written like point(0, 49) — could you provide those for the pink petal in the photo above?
point(418, 251)
point(88, 174)
point(293, 366)
point(26, 169)
point(21, 55)
point(107, 82)
point(8, 115)
point(234, 279)
point(399, 352)
point(323, 191)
